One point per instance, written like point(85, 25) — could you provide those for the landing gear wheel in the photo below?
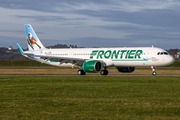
point(81, 72)
point(154, 73)
point(104, 72)
point(153, 70)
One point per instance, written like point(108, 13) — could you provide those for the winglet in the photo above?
point(20, 49)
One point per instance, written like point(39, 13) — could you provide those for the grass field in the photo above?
point(89, 97)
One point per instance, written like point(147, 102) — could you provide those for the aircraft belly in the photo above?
point(131, 63)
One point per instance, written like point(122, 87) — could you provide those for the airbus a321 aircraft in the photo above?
point(93, 60)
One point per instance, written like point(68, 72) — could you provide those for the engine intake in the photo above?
point(92, 66)
point(126, 69)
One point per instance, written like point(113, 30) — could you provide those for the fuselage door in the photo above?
point(149, 54)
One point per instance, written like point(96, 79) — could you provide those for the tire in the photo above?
point(154, 73)
point(81, 72)
point(104, 72)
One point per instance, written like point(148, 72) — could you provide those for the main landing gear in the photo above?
point(104, 72)
point(153, 70)
point(81, 72)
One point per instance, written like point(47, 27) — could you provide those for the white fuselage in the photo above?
point(112, 57)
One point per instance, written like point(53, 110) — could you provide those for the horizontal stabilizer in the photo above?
point(28, 54)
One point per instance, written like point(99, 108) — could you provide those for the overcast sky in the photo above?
point(92, 23)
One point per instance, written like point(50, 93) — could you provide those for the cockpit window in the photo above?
point(162, 53)
point(165, 53)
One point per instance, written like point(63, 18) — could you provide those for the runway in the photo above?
point(73, 72)
point(89, 75)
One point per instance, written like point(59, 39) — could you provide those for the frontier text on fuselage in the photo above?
point(116, 54)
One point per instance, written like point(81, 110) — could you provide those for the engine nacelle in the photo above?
point(92, 66)
point(126, 69)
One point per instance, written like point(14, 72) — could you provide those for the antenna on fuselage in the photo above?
point(152, 46)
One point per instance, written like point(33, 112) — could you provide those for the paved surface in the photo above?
point(89, 75)
point(73, 72)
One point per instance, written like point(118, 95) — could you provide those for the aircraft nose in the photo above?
point(170, 59)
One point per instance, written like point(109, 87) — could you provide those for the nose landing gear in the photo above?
point(154, 71)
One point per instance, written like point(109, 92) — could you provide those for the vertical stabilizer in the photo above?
point(32, 39)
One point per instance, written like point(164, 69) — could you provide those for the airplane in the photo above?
point(93, 60)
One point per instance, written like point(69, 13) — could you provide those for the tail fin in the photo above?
point(32, 39)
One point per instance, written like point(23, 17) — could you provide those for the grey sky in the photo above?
point(92, 23)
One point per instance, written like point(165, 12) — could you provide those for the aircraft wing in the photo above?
point(76, 61)
point(58, 58)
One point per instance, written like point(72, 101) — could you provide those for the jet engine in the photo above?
point(92, 66)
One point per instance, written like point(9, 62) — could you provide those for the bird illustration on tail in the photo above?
point(31, 41)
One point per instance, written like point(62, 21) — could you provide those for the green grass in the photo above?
point(89, 97)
